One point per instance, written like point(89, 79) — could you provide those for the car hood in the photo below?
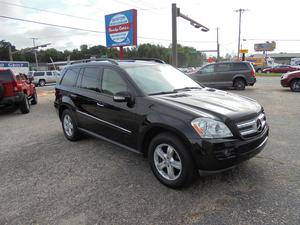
point(213, 102)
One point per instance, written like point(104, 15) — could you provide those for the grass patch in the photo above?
point(268, 74)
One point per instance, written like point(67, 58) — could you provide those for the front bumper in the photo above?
point(284, 83)
point(215, 155)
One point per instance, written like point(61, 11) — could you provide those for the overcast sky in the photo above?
point(265, 20)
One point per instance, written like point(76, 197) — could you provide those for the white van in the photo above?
point(41, 78)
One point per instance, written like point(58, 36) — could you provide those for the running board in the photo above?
point(109, 140)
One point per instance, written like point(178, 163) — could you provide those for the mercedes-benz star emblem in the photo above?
point(258, 125)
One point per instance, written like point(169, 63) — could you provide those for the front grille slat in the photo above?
point(253, 126)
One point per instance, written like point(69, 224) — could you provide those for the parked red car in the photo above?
point(16, 90)
point(292, 80)
point(280, 69)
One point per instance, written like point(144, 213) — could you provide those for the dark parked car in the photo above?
point(226, 74)
point(155, 110)
point(292, 80)
point(280, 69)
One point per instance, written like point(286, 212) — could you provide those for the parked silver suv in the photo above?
point(226, 74)
point(43, 77)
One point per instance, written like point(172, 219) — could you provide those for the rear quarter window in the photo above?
point(70, 77)
point(6, 75)
point(239, 66)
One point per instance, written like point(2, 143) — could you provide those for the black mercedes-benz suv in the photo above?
point(151, 108)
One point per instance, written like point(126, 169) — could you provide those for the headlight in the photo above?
point(209, 128)
point(284, 76)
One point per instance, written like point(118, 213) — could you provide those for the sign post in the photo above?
point(121, 30)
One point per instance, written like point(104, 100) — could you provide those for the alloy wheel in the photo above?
point(68, 125)
point(167, 162)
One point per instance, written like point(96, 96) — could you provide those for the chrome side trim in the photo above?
point(109, 140)
point(103, 121)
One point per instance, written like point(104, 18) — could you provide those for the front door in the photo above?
point(118, 118)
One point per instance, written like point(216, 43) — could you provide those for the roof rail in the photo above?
point(95, 60)
point(150, 59)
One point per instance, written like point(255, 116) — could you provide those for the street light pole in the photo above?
point(240, 11)
point(174, 35)
point(218, 45)
point(176, 13)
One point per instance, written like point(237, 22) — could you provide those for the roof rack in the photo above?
point(95, 60)
point(150, 59)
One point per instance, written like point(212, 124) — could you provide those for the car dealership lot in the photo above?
point(45, 179)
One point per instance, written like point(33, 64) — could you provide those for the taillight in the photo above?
point(253, 73)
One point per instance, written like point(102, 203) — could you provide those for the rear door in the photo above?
point(223, 75)
point(6, 80)
point(85, 99)
point(205, 75)
point(50, 78)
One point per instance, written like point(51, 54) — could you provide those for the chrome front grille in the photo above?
point(253, 126)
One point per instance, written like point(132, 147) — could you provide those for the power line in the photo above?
point(93, 31)
point(53, 25)
point(48, 11)
point(270, 39)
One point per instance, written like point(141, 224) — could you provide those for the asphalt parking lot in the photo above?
point(45, 179)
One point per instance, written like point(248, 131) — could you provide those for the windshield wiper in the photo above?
point(187, 88)
point(164, 92)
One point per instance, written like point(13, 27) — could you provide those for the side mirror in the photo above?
point(123, 96)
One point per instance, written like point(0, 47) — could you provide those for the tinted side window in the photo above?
point(112, 82)
point(49, 73)
point(222, 67)
point(239, 66)
point(90, 79)
point(39, 74)
point(208, 69)
point(70, 76)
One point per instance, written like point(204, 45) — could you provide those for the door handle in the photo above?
point(100, 104)
point(73, 96)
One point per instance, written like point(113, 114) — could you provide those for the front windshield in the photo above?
point(156, 79)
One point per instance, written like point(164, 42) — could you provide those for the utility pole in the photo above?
point(218, 45)
point(10, 53)
point(35, 55)
point(176, 13)
point(240, 11)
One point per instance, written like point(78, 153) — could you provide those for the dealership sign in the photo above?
point(268, 46)
point(8, 64)
point(121, 28)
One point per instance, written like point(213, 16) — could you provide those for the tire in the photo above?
point(42, 83)
point(295, 85)
point(239, 84)
point(168, 152)
point(24, 105)
point(1, 91)
point(34, 99)
point(259, 71)
point(69, 126)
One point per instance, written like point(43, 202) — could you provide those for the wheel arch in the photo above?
point(239, 77)
point(156, 129)
point(67, 103)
